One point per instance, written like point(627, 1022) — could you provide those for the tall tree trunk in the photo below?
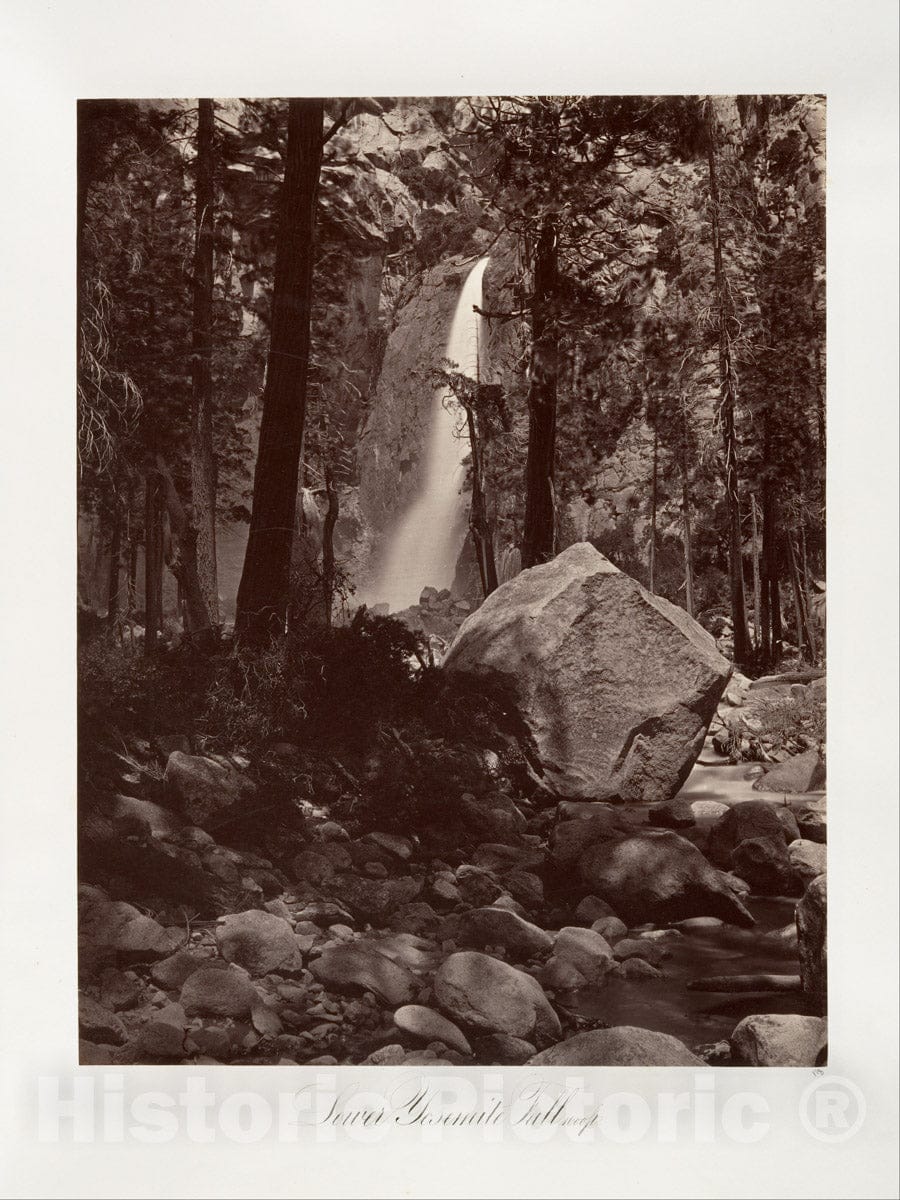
point(203, 463)
point(757, 591)
point(807, 595)
point(686, 519)
point(265, 582)
point(539, 537)
point(331, 517)
point(771, 598)
point(728, 384)
point(653, 502)
point(804, 637)
point(115, 558)
point(478, 518)
point(183, 565)
point(153, 560)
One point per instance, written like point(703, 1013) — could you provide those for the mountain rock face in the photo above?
point(615, 687)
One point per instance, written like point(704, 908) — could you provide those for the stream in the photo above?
point(666, 1004)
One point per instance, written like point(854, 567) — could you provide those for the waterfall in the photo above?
point(426, 544)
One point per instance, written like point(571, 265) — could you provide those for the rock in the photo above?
point(265, 1020)
point(610, 927)
point(673, 814)
point(651, 951)
point(813, 825)
point(638, 968)
point(812, 919)
point(359, 965)
point(430, 1026)
point(659, 877)
point(446, 890)
point(569, 840)
point(526, 887)
point(802, 773)
point(752, 819)
point(373, 899)
point(94, 1054)
point(259, 942)
point(213, 1040)
point(161, 822)
point(375, 870)
point(416, 953)
point(484, 993)
point(591, 908)
point(493, 817)
point(202, 788)
point(311, 868)
point(561, 975)
point(808, 859)
point(779, 1040)
point(399, 846)
point(164, 1036)
point(322, 913)
point(98, 1024)
point(615, 686)
point(503, 1050)
point(497, 857)
point(623, 1046)
point(118, 930)
point(212, 991)
point(119, 991)
point(589, 952)
point(499, 927)
point(583, 810)
point(765, 864)
point(477, 886)
point(705, 810)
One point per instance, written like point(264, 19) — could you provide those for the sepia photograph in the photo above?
point(452, 580)
point(451, 495)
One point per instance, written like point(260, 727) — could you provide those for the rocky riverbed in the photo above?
point(586, 933)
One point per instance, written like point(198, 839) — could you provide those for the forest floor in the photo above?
point(303, 904)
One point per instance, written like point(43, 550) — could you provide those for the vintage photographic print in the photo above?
point(451, 580)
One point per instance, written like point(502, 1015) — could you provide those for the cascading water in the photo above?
point(426, 544)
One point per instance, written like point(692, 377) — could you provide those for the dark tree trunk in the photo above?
point(183, 565)
point(686, 520)
point(478, 518)
point(265, 582)
point(203, 463)
point(115, 559)
point(771, 598)
point(727, 407)
point(757, 588)
point(331, 517)
point(539, 537)
point(153, 560)
point(654, 488)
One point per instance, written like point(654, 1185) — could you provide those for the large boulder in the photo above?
point(205, 787)
point(259, 942)
point(500, 927)
point(802, 773)
point(484, 993)
point(779, 1040)
point(622, 1046)
point(751, 819)
point(115, 931)
point(658, 876)
point(615, 687)
point(812, 914)
point(358, 966)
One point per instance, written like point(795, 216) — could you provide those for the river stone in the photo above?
point(259, 942)
point(488, 994)
point(430, 1026)
point(359, 966)
point(622, 1046)
point(673, 814)
point(98, 1024)
point(118, 930)
point(503, 1050)
point(808, 859)
point(651, 951)
point(615, 686)
point(373, 899)
point(588, 951)
point(203, 787)
point(779, 1040)
point(802, 773)
point(752, 819)
point(214, 992)
point(766, 866)
point(812, 913)
point(500, 927)
point(570, 839)
point(163, 1037)
point(660, 877)
point(172, 972)
point(610, 927)
point(591, 908)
